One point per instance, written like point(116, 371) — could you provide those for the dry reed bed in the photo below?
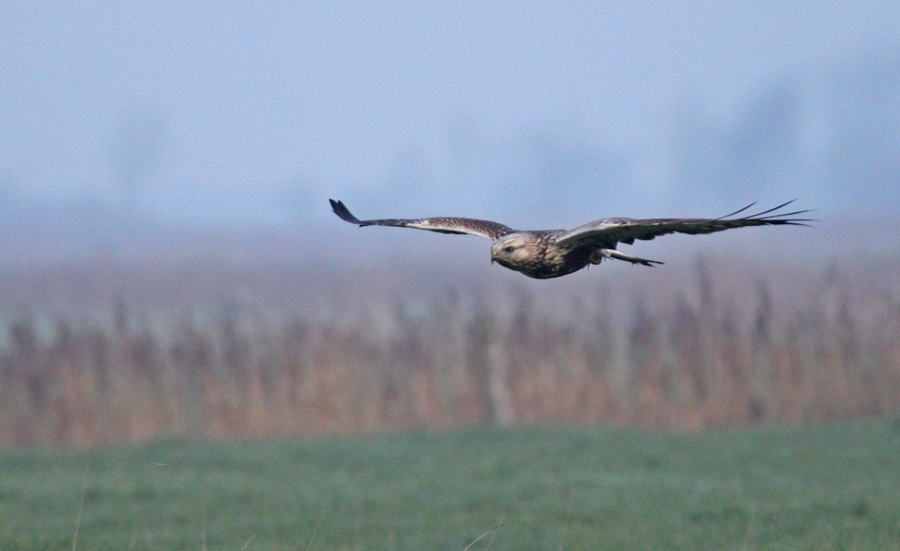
point(684, 357)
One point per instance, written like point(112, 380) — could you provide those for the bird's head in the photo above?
point(512, 250)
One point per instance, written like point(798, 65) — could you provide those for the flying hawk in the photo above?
point(544, 254)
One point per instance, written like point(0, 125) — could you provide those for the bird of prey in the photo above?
point(545, 254)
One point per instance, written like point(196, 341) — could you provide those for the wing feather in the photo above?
point(607, 232)
point(443, 224)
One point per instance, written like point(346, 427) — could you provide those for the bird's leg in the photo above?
point(600, 254)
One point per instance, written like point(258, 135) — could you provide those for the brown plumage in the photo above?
point(545, 254)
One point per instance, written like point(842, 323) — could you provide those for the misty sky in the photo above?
point(224, 110)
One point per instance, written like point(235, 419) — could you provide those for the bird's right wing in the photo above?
point(470, 226)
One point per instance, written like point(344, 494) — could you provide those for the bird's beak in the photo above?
point(493, 256)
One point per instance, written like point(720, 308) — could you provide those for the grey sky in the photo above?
point(234, 103)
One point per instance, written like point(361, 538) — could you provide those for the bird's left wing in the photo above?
point(443, 224)
point(607, 232)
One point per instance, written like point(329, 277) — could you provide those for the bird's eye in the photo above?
point(509, 249)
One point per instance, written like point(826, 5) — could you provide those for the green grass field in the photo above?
point(821, 488)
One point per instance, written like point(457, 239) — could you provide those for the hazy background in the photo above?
point(169, 263)
point(125, 127)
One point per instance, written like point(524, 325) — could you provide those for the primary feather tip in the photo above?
point(342, 212)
